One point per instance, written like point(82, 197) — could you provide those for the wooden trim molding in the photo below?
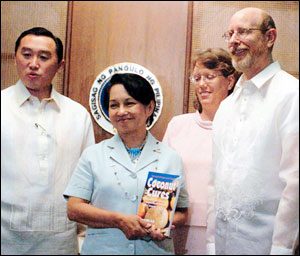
point(66, 77)
point(188, 57)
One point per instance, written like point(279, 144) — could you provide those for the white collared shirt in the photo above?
point(41, 142)
point(256, 166)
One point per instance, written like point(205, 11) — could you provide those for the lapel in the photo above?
point(118, 152)
point(150, 153)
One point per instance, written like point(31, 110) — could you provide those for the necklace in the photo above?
point(133, 197)
point(134, 153)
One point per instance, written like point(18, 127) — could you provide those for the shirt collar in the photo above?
point(262, 77)
point(206, 124)
point(259, 80)
point(55, 96)
point(22, 95)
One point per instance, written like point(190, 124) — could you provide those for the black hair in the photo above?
point(39, 31)
point(137, 87)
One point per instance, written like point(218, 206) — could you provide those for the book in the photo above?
point(159, 200)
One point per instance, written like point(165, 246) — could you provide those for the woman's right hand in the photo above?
point(134, 227)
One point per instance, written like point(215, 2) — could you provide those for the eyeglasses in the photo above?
point(240, 33)
point(206, 78)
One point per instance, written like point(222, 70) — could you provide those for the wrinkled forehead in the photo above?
point(245, 19)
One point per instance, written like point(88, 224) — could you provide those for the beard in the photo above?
point(244, 64)
point(249, 61)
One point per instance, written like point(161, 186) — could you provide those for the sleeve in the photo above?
point(183, 199)
point(167, 136)
point(287, 218)
point(81, 182)
point(89, 132)
point(210, 238)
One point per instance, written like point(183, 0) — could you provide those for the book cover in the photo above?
point(159, 200)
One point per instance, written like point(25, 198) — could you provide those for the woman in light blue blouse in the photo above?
point(107, 184)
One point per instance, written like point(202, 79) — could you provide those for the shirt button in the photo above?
point(133, 175)
point(131, 247)
point(134, 198)
point(43, 157)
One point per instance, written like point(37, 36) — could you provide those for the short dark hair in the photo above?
point(137, 87)
point(267, 22)
point(39, 31)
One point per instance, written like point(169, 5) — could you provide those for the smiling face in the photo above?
point(36, 62)
point(126, 114)
point(212, 90)
point(250, 53)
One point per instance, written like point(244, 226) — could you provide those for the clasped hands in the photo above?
point(134, 227)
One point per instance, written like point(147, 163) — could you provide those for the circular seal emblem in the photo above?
point(98, 92)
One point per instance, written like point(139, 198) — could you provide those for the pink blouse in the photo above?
point(191, 137)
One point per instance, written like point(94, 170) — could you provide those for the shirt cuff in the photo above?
point(210, 249)
point(276, 250)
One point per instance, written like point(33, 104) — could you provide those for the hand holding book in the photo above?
point(159, 201)
point(133, 226)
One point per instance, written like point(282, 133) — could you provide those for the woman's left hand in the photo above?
point(156, 233)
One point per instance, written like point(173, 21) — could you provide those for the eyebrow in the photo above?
point(125, 100)
point(40, 51)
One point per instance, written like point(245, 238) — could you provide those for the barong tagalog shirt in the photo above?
point(254, 190)
point(41, 142)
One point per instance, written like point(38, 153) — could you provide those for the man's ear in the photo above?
point(61, 65)
point(271, 36)
point(231, 81)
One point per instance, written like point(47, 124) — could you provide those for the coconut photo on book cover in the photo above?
point(159, 200)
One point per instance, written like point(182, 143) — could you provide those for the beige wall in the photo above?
point(160, 36)
point(151, 34)
point(17, 16)
point(210, 21)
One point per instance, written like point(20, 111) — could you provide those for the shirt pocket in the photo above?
point(39, 216)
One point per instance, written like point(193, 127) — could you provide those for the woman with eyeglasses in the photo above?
point(213, 78)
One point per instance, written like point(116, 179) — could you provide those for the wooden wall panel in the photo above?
point(151, 34)
point(209, 27)
point(18, 16)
